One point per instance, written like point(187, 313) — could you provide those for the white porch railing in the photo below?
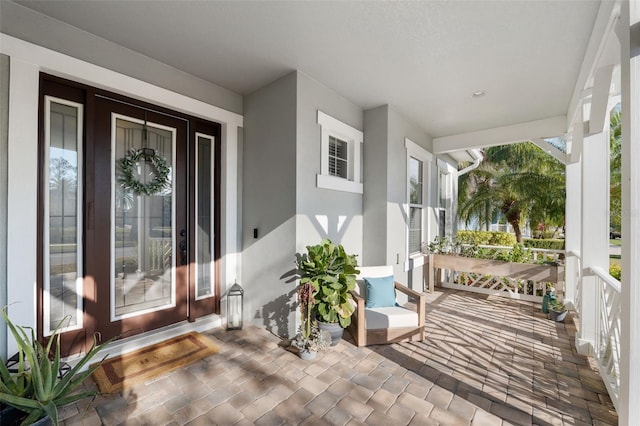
point(607, 348)
point(573, 275)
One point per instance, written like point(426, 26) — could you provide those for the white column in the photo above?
point(594, 230)
point(572, 230)
point(629, 396)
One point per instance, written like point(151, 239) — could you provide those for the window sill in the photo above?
point(339, 184)
point(416, 260)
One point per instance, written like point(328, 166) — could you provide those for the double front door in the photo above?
point(129, 195)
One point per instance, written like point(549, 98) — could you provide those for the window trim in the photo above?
point(331, 126)
point(419, 153)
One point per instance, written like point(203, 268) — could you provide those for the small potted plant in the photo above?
point(310, 339)
point(37, 389)
point(332, 273)
point(557, 310)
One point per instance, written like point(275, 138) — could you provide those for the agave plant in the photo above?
point(36, 388)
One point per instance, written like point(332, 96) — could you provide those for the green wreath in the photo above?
point(160, 180)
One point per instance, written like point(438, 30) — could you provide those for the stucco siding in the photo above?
point(323, 213)
point(385, 197)
point(375, 189)
point(269, 205)
point(400, 128)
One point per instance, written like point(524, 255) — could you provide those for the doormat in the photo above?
point(125, 370)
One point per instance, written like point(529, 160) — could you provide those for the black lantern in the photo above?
point(235, 297)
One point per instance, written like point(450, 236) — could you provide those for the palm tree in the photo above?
point(520, 181)
point(615, 167)
point(63, 183)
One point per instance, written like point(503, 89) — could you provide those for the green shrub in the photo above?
point(444, 245)
point(615, 271)
point(474, 237)
point(544, 244)
point(502, 239)
point(519, 254)
point(486, 238)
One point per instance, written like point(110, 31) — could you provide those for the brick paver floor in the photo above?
point(485, 361)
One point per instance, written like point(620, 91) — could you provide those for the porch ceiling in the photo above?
point(424, 58)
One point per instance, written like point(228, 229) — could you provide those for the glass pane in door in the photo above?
point(204, 207)
point(63, 216)
point(143, 209)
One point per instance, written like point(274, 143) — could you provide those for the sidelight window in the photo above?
point(205, 196)
point(62, 237)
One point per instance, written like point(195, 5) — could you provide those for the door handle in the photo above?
point(183, 252)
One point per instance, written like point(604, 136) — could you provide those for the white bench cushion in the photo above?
point(390, 317)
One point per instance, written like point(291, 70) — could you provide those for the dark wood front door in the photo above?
point(129, 236)
point(140, 212)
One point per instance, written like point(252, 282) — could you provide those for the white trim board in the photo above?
point(71, 68)
point(548, 127)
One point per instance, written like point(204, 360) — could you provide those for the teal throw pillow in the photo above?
point(380, 292)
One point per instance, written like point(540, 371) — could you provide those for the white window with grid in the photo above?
point(338, 158)
point(446, 175)
point(341, 161)
point(417, 206)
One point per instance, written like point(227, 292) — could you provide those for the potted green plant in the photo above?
point(310, 339)
point(37, 389)
point(557, 311)
point(332, 273)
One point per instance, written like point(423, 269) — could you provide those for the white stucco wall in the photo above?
point(269, 203)
point(323, 213)
point(385, 202)
point(375, 236)
point(399, 129)
point(281, 158)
